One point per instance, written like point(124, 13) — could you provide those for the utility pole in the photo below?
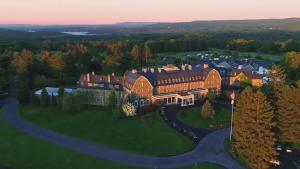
point(232, 96)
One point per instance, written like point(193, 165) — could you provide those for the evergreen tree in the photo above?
point(289, 115)
point(112, 100)
point(254, 139)
point(207, 110)
point(61, 91)
point(53, 101)
point(44, 98)
point(277, 79)
point(34, 100)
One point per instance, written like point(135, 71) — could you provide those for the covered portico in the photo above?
point(183, 98)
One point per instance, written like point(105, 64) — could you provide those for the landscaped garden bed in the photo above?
point(144, 135)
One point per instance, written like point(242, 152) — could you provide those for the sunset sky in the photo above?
point(112, 11)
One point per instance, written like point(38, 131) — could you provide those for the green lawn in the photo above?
point(193, 55)
point(20, 151)
point(193, 117)
point(150, 136)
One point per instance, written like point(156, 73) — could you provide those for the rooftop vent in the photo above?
point(133, 71)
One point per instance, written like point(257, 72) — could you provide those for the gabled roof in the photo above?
point(168, 77)
point(236, 72)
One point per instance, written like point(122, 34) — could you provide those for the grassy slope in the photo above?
point(193, 117)
point(24, 152)
point(145, 136)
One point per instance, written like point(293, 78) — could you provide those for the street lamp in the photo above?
point(232, 96)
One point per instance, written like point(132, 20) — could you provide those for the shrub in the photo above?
point(44, 98)
point(61, 91)
point(112, 100)
point(207, 110)
point(34, 100)
point(129, 109)
point(53, 100)
point(73, 102)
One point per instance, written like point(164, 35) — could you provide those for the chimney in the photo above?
point(152, 70)
point(205, 66)
point(182, 67)
point(133, 71)
point(88, 77)
point(108, 78)
point(159, 70)
point(190, 67)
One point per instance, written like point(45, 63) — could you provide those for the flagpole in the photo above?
point(231, 123)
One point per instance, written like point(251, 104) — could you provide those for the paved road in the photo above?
point(169, 114)
point(209, 149)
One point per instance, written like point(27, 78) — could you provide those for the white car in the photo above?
point(275, 162)
point(288, 150)
point(279, 148)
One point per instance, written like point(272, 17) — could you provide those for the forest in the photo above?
point(59, 61)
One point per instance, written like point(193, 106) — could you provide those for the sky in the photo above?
point(47, 12)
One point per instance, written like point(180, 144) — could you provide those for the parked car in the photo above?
point(288, 150)
point(279, 147)
point(275, 162)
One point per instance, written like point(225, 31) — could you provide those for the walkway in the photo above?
point(210, 149)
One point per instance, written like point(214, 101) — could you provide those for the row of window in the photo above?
point(179, 80)
point(141, 103)
point(102, 85)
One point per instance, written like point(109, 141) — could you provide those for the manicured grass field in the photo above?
point(20, 151)
point(193, 55)
point(193, 117)
point(150, 136)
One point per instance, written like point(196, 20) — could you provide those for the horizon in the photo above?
point(93, 12)
point(133, 22)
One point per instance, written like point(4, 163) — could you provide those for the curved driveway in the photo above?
point(210, 149)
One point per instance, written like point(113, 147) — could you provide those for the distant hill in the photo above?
point(128, 28)
point(290, 24)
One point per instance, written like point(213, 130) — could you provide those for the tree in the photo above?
point(73, 102)
point(147, 53)
point(23, 60)
point(211, 96)
point(292, 60)
point(112, 100)
point(5, 72)
point(61, 91)
point(289, 115)
point(277, 80)
point(45, 98)
point(136, 53)
point(34, 100)
point(207, 110)
point(253, 136)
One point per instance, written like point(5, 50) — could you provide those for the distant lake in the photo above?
point(79, 33)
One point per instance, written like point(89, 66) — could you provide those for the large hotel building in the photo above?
point(169, 84)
